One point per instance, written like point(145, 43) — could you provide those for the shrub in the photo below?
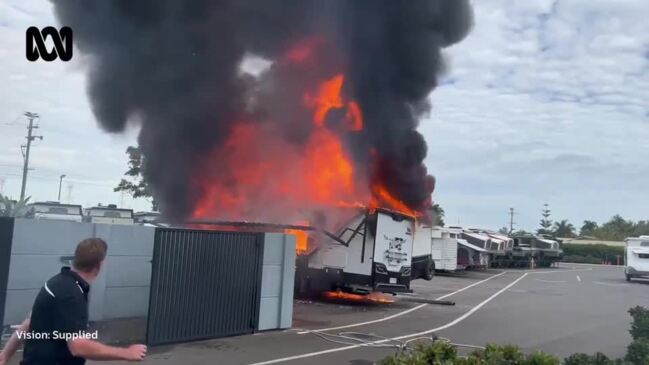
point(591, 253)
point(638, 352)
point(640, 323)
point(442, 353)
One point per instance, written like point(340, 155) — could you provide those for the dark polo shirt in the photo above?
point(60, 307)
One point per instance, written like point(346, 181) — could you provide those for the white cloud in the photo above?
point(549, 103)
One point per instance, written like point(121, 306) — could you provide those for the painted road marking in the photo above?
point(551, 281)
point(558, 271)
point(400, 313)
point(609, 284)
point(578, 278)
point(418, 334)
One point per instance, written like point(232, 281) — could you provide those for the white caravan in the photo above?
point(56, 211)
point(423, 264)
point(444, 248)
point(636, 257)
point(372, 252)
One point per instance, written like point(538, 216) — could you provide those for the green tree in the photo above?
point(12, 208)
point(504, 230)
point(616, 229)
point(563, 229)
point(546, 222)
point(588, 228)
point(136, 185)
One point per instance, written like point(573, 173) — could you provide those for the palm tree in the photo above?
point(563, 229)
point(588, 228)
point(12, 208)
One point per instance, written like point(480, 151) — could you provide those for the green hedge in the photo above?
point(444, 353)
point(592, 254)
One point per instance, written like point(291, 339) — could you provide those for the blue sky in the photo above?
point(545, 101)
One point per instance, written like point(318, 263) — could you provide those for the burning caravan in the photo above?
point(373, 252)
point(636, 257)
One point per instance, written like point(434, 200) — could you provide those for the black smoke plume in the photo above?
point(173, 67)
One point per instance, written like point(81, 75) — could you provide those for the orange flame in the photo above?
point(354, 117)
point(259, 174)
point(301, 238)
point(374, 297)
point(328, 97)
point(382, 197)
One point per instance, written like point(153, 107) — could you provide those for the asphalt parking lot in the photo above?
point(573, 308)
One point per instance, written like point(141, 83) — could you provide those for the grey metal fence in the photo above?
point(204, 284)
point(6, 238)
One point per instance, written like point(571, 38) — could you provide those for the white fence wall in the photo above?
point(41, 247)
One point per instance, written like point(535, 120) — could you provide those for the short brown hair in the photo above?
point(89, 254)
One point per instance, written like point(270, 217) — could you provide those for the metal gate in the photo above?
point(204, 284)
point(6, 237)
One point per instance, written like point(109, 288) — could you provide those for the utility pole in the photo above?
point(60, 183)
point(31, 116)
point(511, 220)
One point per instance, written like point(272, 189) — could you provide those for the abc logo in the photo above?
point(36, 47)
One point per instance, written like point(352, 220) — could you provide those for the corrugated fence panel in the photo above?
point(204, 284)
point(6, 237)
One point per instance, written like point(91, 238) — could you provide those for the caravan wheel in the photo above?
point(628, 277)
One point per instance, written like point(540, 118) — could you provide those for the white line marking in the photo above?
point(596, 265)
point(559, 271)
point(551, 281)
point(578, 278)
point(450, 324)
point(610, 284)
point(401, 313)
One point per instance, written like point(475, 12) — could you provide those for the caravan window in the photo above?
point(644, 244)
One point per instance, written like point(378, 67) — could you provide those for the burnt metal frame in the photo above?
point(271, 226)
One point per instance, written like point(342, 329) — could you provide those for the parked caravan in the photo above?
point(444, 249)
point(543, 250)
point(423, 264)
point(109, 214)
point(56, 211)
point(372, 252)
point(636, 257)
point(472, 256)
point(502, 246)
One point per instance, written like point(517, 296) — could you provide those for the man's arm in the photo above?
point(94, 350)
point(14, 342)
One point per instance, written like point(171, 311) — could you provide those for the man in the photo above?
point(61, 310)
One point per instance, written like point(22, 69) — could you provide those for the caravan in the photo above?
point(636, 257)
point(444, 249)
point(423, 263)
point(372, 252)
